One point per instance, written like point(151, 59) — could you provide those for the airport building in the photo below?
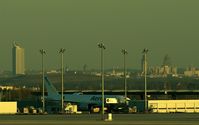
point(18, 60)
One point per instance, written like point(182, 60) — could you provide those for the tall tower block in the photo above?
point(18, 64)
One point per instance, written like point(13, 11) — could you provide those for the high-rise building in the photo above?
point(18, 60)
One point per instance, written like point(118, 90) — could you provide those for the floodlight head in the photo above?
point(145, 50)
point(124, 51)
point(42, 51)
point(62, 50)
point(101, 45)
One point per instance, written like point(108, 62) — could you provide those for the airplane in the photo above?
point(85, 101)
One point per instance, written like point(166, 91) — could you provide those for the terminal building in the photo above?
point(18, 64)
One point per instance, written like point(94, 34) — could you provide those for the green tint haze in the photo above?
point(163, 26)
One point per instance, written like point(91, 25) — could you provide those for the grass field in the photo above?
point(95, 119)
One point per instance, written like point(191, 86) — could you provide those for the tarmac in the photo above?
point(96, 119)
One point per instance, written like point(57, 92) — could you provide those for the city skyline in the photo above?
point(164, 27)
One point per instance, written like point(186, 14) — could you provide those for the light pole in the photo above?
point(61, 51)
point(124, 52)
point(42, 51)
point(145, 80)
point(102, 47)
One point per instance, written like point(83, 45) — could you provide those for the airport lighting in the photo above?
point(43, 52)
point(145, 51)
point(102, 48)
point(124, 52)
point(61, 51)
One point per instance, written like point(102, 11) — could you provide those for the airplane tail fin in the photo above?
point(51, 90)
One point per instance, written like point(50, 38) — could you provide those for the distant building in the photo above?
point(166, 69)
point(18, 65)
point(191, 72)
point(163, 71)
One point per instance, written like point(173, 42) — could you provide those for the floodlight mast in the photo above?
point(61, 51)
point(145, 51)
point(124, 52)
point(43, 52)
point(102, 48)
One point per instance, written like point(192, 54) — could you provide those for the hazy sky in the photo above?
point(163, 26)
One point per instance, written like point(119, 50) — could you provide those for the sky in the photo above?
point(163, 26)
